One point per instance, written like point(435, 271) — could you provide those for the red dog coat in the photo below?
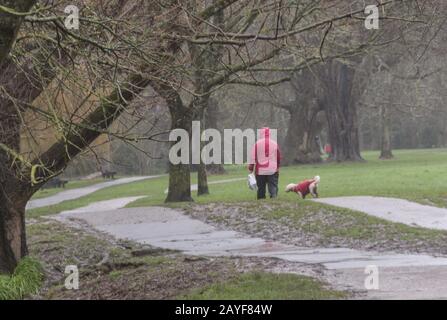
point(303, 187)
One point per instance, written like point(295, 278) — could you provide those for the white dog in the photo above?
point(305, 187)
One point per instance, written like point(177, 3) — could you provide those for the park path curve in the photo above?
point(402, 276)
point(72, 194)
point(395, 210)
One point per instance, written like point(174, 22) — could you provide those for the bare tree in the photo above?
point(47, 58)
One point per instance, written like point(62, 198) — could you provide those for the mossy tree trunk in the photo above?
point(12, 196)
point(13, 192)
point(10, 23)
point(179, 189)
point(13, 245)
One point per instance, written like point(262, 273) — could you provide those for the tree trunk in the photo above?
point(310, 151)
point(10, 24)
point(202, 177)
point(206, 61)
point(212, 115)
point(343, 136)
point(179, 183)
point(179, 174)
point(294, 135)
point(300, 144)
point(13, 178)
point(341, 114)
point(384, 119)
point(15, 188)
point(13, 194)
point(12, 232)
point(385, 145)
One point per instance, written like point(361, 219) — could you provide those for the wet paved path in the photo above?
point(395, 210)
point(81, 192)
point(401, 275)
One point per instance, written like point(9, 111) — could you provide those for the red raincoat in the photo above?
point(265, 156)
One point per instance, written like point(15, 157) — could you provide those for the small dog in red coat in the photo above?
point(305, 187)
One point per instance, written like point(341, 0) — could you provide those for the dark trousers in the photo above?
point(271, 181)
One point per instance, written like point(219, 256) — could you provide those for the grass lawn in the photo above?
point(266, 286)
point(417, 175)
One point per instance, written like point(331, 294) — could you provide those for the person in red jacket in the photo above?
point(305, 187)
point(265, 161)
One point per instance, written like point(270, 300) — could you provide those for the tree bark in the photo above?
point(179, 183)
point(179, 189)
point(212, 115)
point(341, 113)
point(385, 145)
point(384, 119)
point(300, 144)
point(13, 245)
point(13, 194)
point(202, 176)
point(10, 24)
point(293, 136)
point(21, 84)
point(309, 151)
